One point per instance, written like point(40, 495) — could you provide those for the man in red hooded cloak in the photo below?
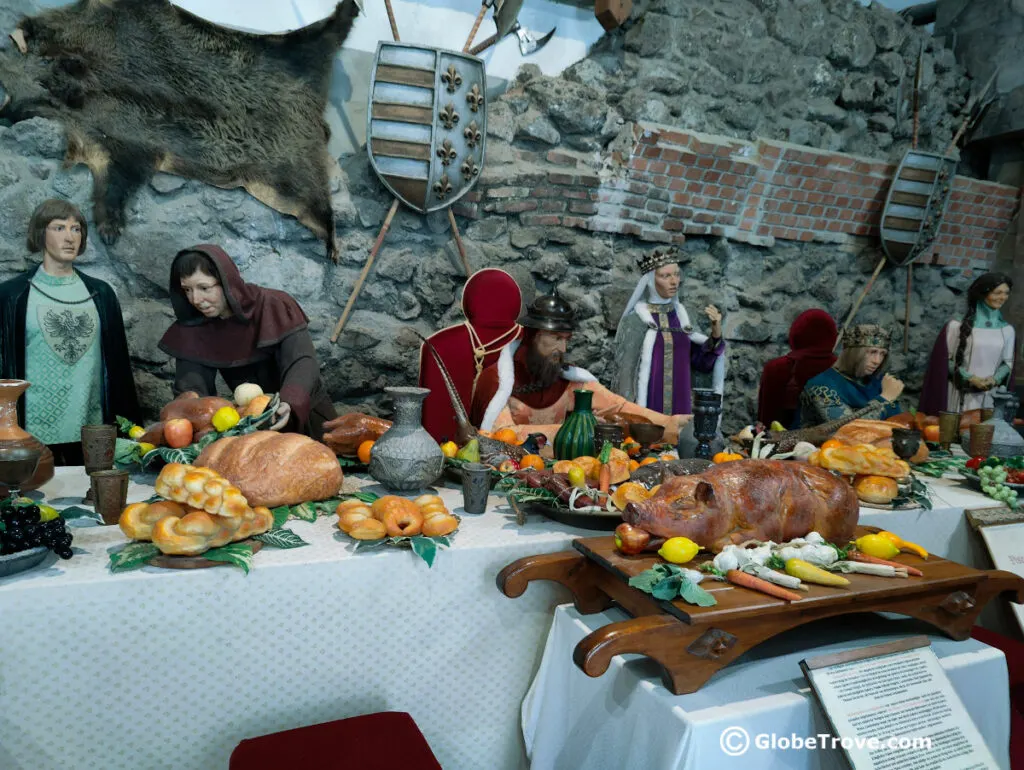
point(491, 302)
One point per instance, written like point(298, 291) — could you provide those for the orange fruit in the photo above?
point(832, 443)
point(532, 461)
point(506, 436)
point(633, 465)
point(649, 460)
point(931, 433)
point(630, 492)
point(363, 452)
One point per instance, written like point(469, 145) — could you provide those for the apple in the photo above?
point(178, 432)
point(631, 540)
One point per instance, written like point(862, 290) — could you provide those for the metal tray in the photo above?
point(22, 560)
point(600, 522)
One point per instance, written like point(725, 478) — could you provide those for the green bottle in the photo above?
point(576, 436)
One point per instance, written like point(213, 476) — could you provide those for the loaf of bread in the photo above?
point(275, 469)
point(877, 433)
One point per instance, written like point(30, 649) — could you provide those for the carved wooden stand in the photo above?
point(692, 643)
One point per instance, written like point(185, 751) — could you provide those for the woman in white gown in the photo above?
point(972, 357)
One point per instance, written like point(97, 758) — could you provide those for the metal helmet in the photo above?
point(550, 313)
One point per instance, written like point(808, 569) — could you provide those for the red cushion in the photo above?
point(389, 740)
point(1014, 652)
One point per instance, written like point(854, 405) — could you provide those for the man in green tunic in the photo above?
point(63, 332)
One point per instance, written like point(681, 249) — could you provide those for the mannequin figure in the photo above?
point(657, 348)
point(974, 356)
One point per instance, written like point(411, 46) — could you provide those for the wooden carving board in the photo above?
point(692, 643)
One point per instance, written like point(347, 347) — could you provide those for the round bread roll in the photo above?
point(436, 526)
point(424, 500)
point(876, 489)
point(403, 522)
point(368, 529)
point(348, 519)
point(345, 505)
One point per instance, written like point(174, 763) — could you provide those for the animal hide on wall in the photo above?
point(143, 86)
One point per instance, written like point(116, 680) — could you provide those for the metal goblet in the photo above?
point(18, 465)
point(647, 434)
point(707, 408)
point(906, 442)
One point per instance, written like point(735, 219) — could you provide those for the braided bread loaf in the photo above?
point(273, 469)
point(200, 488)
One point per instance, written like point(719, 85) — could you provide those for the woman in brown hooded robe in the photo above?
point(247, 333)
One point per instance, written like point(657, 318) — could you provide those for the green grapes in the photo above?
point(993, 484)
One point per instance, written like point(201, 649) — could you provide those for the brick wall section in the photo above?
point(674, 183)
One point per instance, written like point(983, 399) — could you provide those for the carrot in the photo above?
point(740, 578)
point(863, 557)
point(604, 478)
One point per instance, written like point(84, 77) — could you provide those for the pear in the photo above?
point(470, 453)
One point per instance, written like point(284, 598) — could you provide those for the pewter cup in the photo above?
point(981, 439)
point(110, 491)
point(949, 427)
point(476, 486)
point(98, 443)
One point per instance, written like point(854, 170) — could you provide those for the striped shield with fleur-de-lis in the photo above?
point(915, 204)
point(426, 123)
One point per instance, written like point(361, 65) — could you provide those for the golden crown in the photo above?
point(658, 258)
point(866, 336)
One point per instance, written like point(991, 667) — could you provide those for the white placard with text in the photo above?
point(892, 707)
point(1005, 543)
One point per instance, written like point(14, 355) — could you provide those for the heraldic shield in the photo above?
point(426, 123)
point(916, 204)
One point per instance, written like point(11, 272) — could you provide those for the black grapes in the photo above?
point(21, 529)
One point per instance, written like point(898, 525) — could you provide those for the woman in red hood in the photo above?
point(811, 339)
point(248, 334)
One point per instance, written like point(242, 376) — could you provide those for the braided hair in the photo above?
point(977, 292)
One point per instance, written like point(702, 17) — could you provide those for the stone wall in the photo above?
point(782, 70)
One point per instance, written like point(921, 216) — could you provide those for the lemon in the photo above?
point(225, 418)
point(776, 427)
point(47, 512)
point(678, 550)
point(877, 546)
point(449, 448)
point(577, 477)
point(145, 447)
point(136, 432)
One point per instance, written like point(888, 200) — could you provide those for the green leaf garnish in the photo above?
point(775, 562)
point(281, 538)
point(132, 556)
point(425, 548)
point(668, 581)
point(606, 452)
point(281, 514)
point(236, 554)
point(124, 424)
point(304, 511)
point(693, 594)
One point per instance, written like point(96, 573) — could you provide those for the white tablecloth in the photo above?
point(943, 530)
point(160, 668)
point(171, 669)
point(627, 719)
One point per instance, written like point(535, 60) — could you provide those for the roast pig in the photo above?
point(749, 499)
